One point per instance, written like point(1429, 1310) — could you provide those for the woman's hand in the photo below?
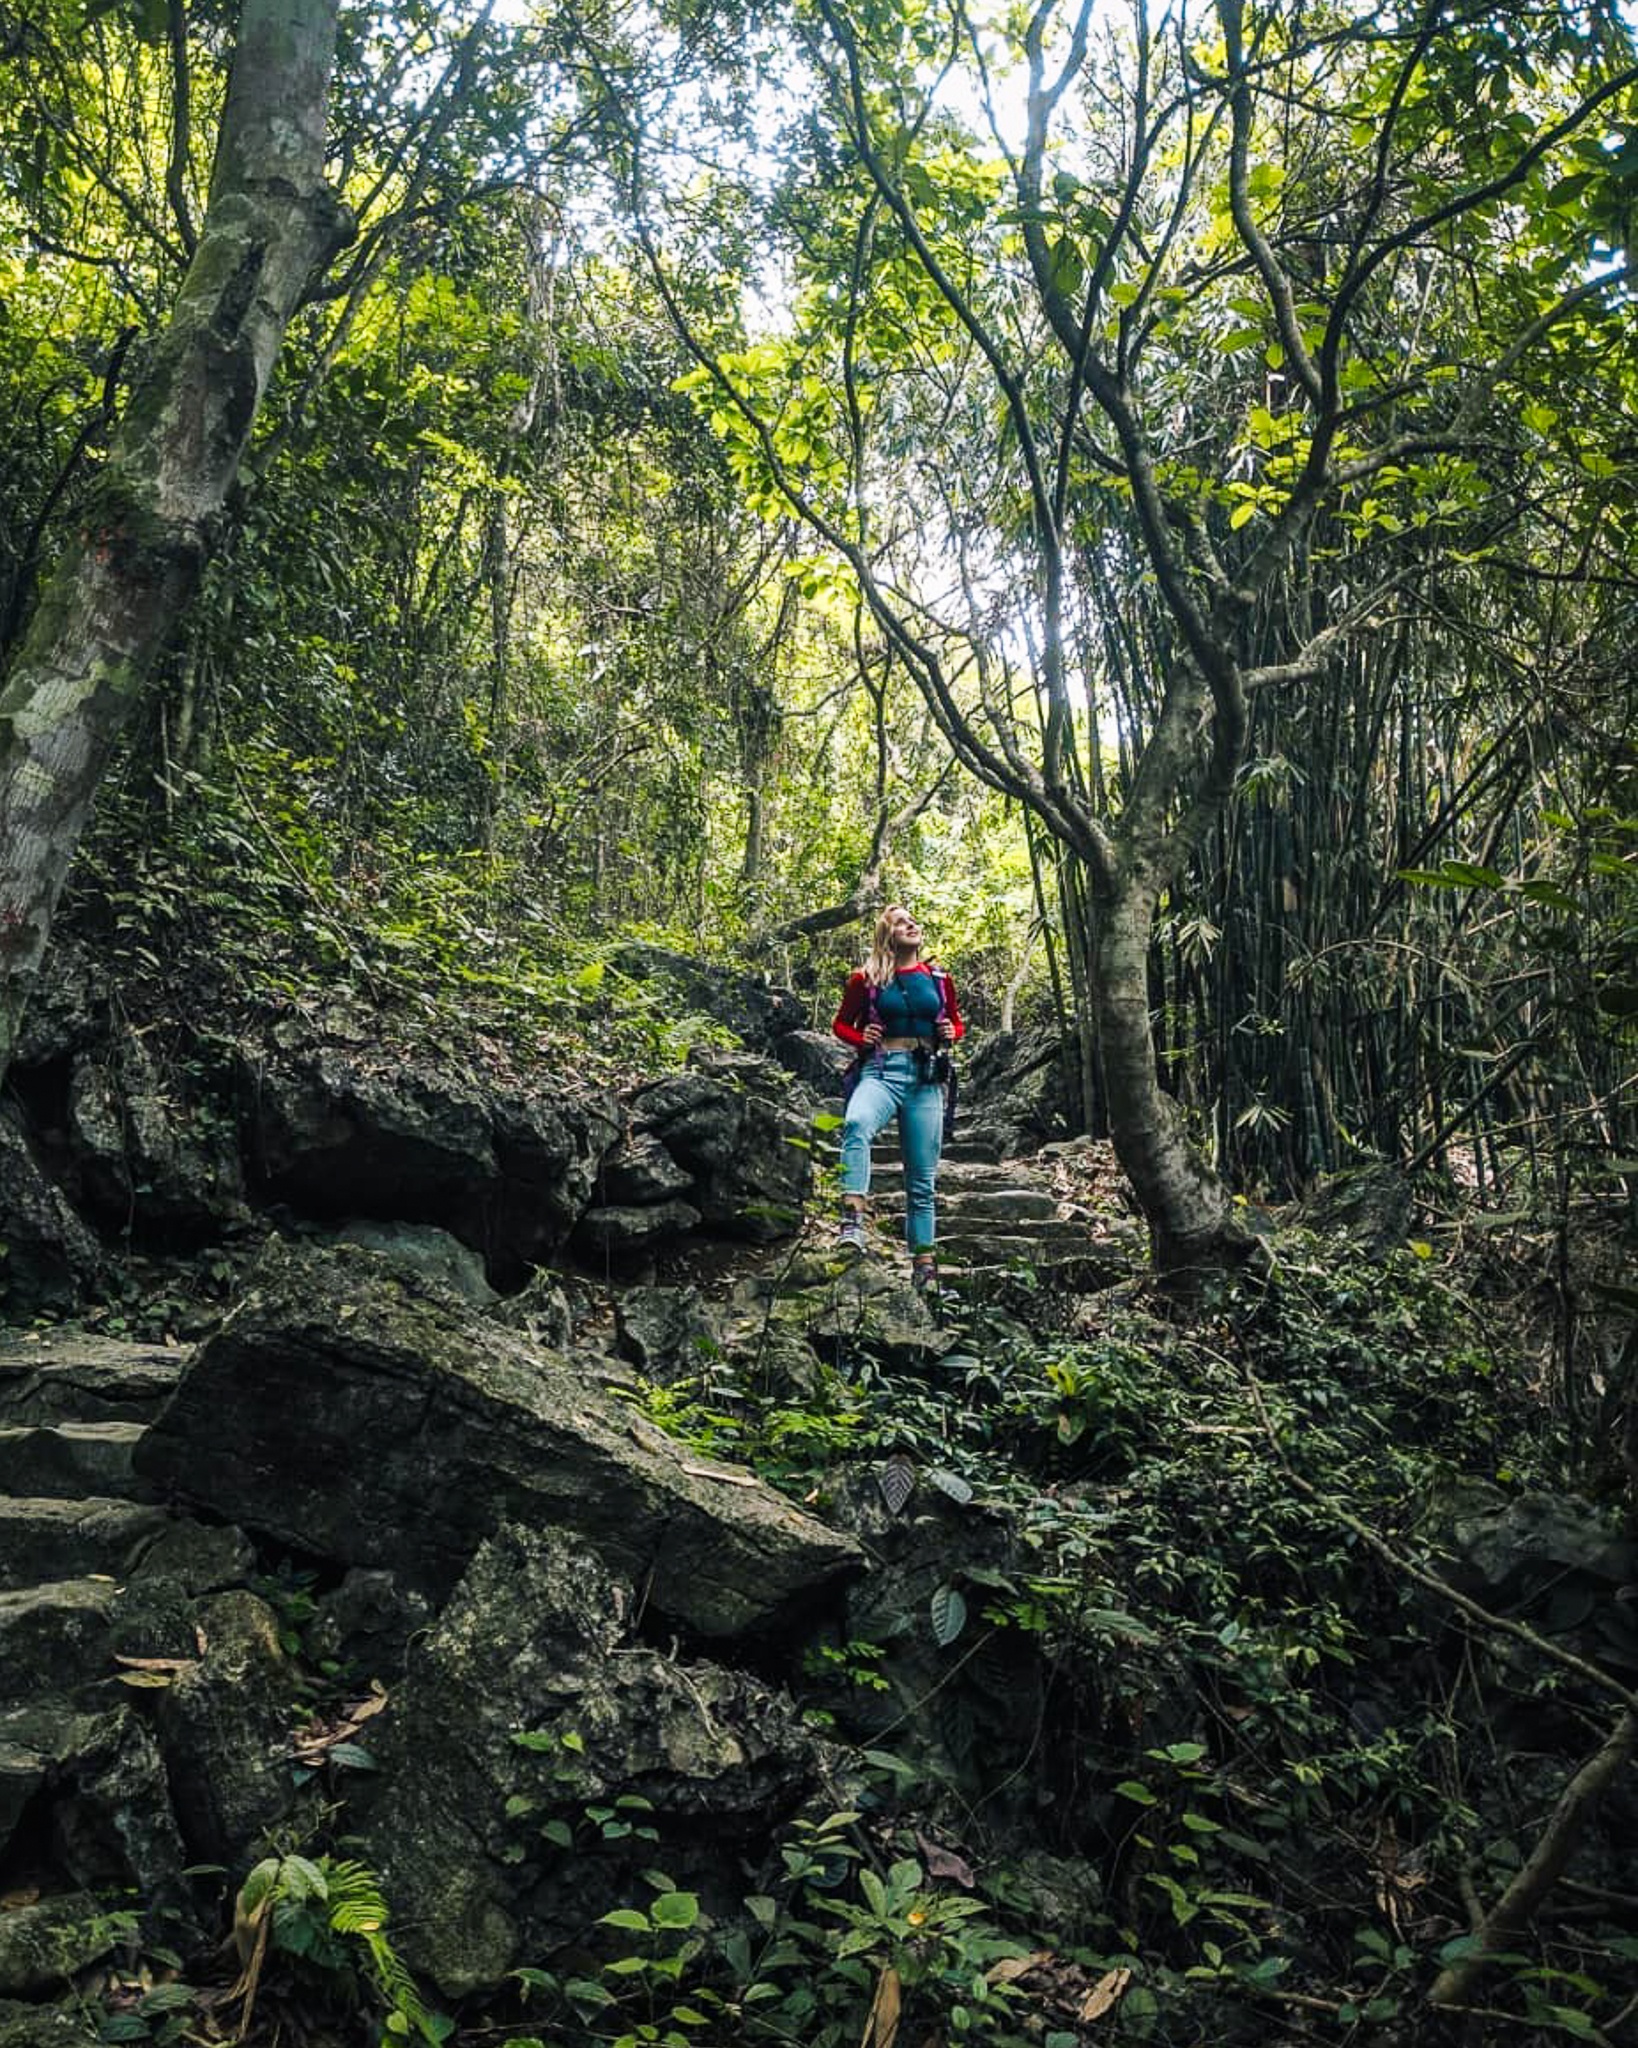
point(946, 1031)
point(873, 1034)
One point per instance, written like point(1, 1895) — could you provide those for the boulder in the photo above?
point(51, 1256)
point(44, 1945)
point(754, 1009)
point(426, 1251)
point(665, 1331)
point(154, 1150)
point(351, 1420)
point(626, 1235)
point(346, 1130)
point(581, 1759)
point(226, 1723)
point(819, 1061)
point(729, 1122)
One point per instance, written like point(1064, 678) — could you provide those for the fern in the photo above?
point(358, 1910)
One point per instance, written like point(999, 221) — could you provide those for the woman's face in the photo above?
point(902, 928)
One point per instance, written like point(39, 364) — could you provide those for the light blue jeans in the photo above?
point(882, 1093)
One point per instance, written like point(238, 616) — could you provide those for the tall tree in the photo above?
point(107, 614)
point(1075, 402)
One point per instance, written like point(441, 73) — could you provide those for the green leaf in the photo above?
point(628, 1916)
point(949, 1615)
point(676, 1909)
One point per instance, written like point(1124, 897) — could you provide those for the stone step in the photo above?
point(74, 1377)
point(1047, 1244)
point(71, 1460)
point(54, 1637)
point(999, 1203)
point(60, 1540)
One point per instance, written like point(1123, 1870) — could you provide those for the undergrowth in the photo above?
point(1166, 1621)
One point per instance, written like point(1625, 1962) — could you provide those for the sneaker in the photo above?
point(924, 1274)
point(851, 1236)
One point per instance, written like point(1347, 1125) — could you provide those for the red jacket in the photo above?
point(854, 1015)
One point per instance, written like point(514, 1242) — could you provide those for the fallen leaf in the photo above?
point(1106, 1993)
point(945, 1862)
point(727, 1478)
point(14, 1902)
point(171, 1664)
point(882, 2027)
point(154, 1680)
point(1011, 1968)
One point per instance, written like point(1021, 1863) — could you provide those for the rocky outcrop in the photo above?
point(721, 1148)
point(345, 1131)
point(582, 1758)
point(467, 1426)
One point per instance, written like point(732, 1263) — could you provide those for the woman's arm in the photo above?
point(852, 1020)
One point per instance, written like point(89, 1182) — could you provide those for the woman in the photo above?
point(893, 1008)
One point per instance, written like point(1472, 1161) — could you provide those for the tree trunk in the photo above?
point(111, 607)
point(1189, 1211)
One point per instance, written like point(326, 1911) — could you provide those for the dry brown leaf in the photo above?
point(172, 1664)
point(882, 2027)
point(1104, 1995)
point(312, 1746)
point(727, 1478)
point(14, 1902)
point(154, 1681)
point(945, 1862)
point(1011, 1968)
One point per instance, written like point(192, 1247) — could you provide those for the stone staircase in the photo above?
point(1002, 1223)
point(78, 1534)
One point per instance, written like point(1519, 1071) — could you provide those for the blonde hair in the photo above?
point(881, 963)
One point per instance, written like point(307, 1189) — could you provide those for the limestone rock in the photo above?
point(340, 1414)
point(153, 1147)
point(51, 1254)
point(225, 1722)
point(558, 1712)
point(729, 1121)
point(344, 1130)
point(44, 1945)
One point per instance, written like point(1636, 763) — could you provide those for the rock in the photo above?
point(68, 1375)
point(754, 1009)
point(1501, 1544)
point(488, 1853)
point(198, 1557)
point(155, 1152)
point(53, 1638)
point(108, 1797)
point(640, 1171)
point(665, 1331)
point(819, 1061)
point(68, 1460)
point(52, 1258)
point(341, 1130)
point(46, 2026)
point(467, 1425)
point(1373, 1204)
point(366, 1624)
point(426, 1252)
point(226, 1724)
point(44, 1945)
point(1022, 1087)
point(628, 1234)
point(70, 1539)
point(730, 1123)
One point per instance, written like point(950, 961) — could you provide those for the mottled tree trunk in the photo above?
point(1189, 1210)
point(113, 602)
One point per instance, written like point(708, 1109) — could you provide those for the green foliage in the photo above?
point(328, 1914)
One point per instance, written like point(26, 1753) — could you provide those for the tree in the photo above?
point(1178, 376)
point(109, 609)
